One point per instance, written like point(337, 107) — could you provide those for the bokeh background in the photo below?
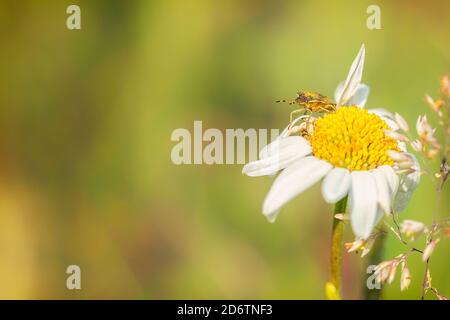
point(86, 118)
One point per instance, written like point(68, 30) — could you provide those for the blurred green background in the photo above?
point(86, 119)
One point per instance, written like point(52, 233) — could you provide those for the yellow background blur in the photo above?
point(86, 118)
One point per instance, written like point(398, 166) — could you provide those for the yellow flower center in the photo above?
point(352, 138)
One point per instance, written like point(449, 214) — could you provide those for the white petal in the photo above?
point(278, 155)
point(364, 208)
point(279, 144)
point(402, 146)
point(293, 181)
point(353, 78)
point(359, 98)
point(383, 190)
point(408, 183)
point(336, 184)
point(401, 122)
point(391, 178)
point(382, 113)
point(272, 216)
point(379, 216)
point(338, 91)
point(387, 117)
point(391, 123)
point(271, 165)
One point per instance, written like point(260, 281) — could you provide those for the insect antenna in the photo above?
point(285, 101)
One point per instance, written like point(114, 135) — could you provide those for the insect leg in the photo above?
point(308, 121)
point(327, 108)
point(296, 111)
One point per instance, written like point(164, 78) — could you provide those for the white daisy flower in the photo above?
point(348, 149)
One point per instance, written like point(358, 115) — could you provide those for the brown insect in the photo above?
point(311, 102)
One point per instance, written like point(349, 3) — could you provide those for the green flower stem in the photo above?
point(337, 236)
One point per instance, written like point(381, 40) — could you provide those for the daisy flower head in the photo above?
point(350, 150)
